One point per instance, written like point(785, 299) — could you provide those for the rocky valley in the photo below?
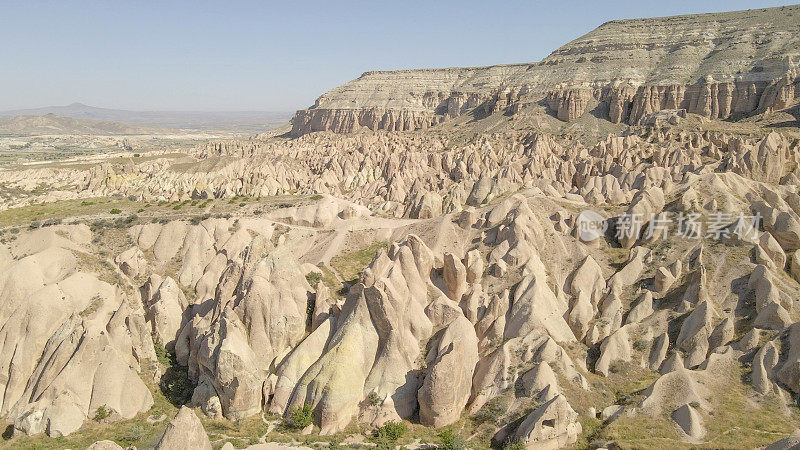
point(597, 250)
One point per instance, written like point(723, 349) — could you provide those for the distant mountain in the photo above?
point(720, 65)
point(53, 124)
point(246, 121)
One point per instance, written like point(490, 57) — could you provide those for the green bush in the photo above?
point(513, 445)
point(163, 356)
point(101, 413)
point(300, 417)
point(197, 219)
point(98, 225)
point(310, 305)
point(374, 399)
point(391, 431)
point(641, 345)
point(313, 278)
point(115, 211)
point(175, 384)
point(451, 441)
point(617, 366)
point(335, 443)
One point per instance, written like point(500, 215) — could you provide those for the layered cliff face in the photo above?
point(716, 65)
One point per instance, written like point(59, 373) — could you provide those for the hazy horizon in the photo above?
point(262, 56)
point(210, 111)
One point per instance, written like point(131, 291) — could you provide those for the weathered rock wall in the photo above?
point(716, 65)
point(714, 100)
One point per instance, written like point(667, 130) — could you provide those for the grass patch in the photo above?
point(313, 278)
point(240, 433)
point(451, 441)
point(350, 264)
point(733, 421)
point(386, 437)
point(60, 210)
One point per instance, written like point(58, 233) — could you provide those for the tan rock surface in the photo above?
point(184, 431)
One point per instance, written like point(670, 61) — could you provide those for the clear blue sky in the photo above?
point(249, 55)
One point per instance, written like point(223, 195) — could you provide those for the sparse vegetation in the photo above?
point(164, 357)
point(102, 413)
point(94, 304)
point(491, 412)
point(451, 441)
point(197, 219)
point(617, 366)
point(512, 444)
point(387, 435)
point(313, 278)
point(175, 383)
point(300, 417)
point(350, 264)
point(373, 399)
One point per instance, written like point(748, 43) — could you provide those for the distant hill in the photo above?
point(719, 65)
point(53, 124)
point(246, 121)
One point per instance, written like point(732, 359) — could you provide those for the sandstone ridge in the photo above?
point(717, 65)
